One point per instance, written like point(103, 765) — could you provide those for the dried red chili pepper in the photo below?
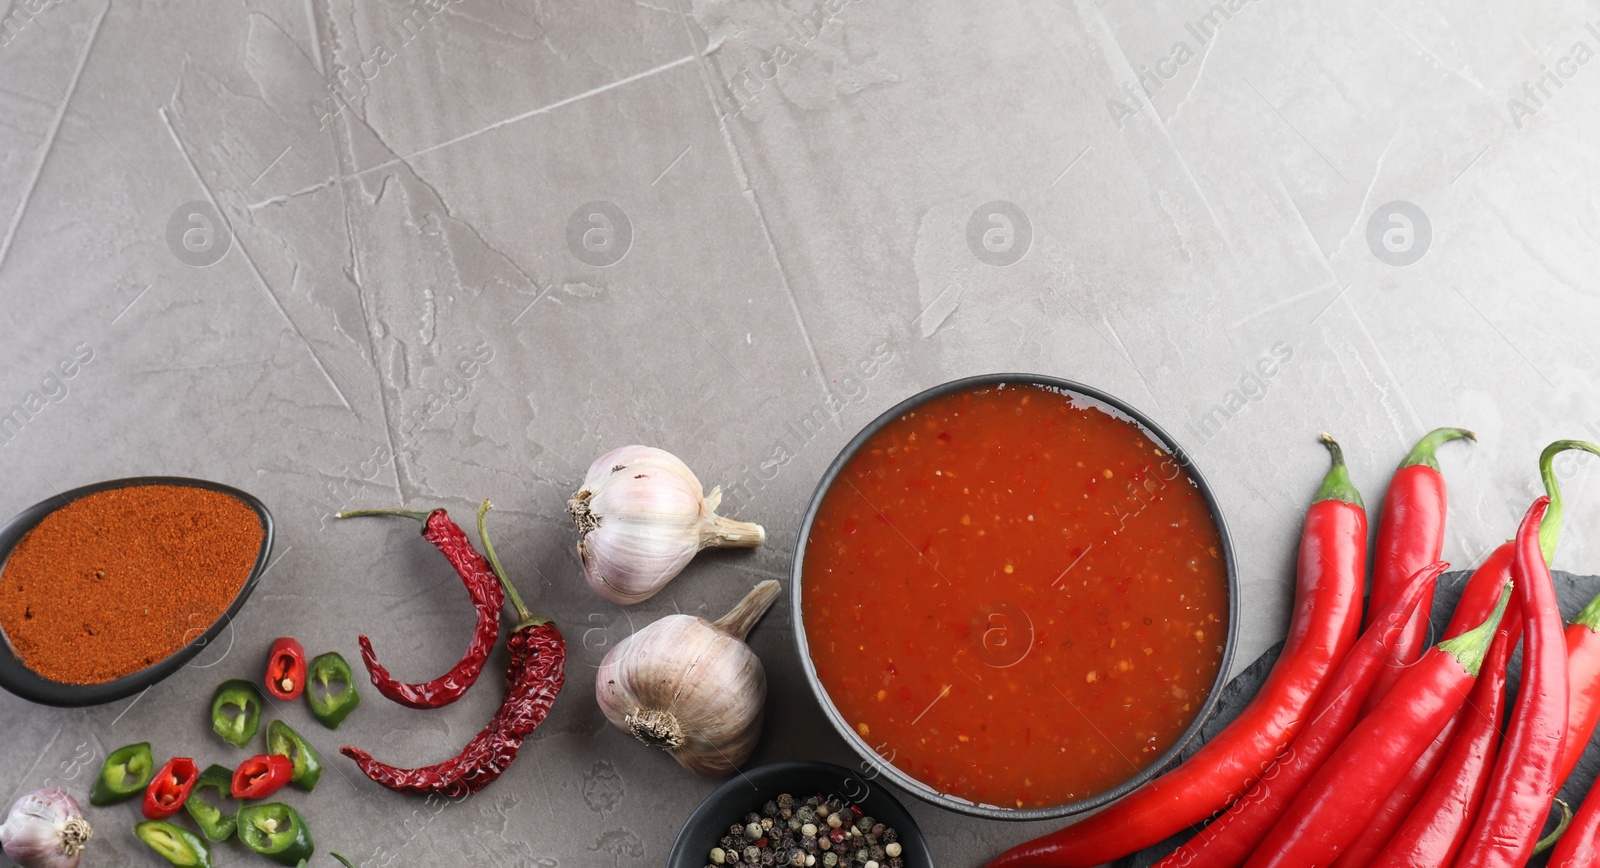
point(1410, 536)
point(286, 669)
point(1524, 779)
point(261, 776)
point(169, 788)
point(1338, 800)
point(1433, 832)
point(1327, 617)
point(487, 598)
point(533, 678)
point(1230, 838)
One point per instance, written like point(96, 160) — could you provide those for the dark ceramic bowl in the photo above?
point(1084, 395)
point(34, 687)
point(749, 790)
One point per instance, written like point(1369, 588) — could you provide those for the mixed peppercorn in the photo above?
point(819, 831)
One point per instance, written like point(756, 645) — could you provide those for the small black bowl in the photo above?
point(34, 687)
point(801, 779)
point(1092, 397)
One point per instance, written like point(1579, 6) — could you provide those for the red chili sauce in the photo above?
point(1015, 597)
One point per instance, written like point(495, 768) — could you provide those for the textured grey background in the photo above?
point(799, 179)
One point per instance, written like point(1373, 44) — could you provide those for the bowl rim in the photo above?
point(772, 772)
point(1116, 407)
point(24, 682)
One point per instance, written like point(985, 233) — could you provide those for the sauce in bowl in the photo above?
point(1015, 597)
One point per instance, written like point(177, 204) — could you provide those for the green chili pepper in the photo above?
point(236, 711)
point(175, 844)
point(276, 831)
point(329, 707)
point(282, 739)
point(342, 860)
point(124, 774)
point(216, 820)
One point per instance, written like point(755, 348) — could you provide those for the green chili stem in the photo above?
point(1337, 485)
point(524, 617)
point(419, 515)
point(1590, 616)
point(1423, 452)
point(1470, 647)
point(1550, 840)
point(1550, 527)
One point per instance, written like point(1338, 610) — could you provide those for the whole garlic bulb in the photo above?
point(690, 686)
point(45, 829)
point(642, 516)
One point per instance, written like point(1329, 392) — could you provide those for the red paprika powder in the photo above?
point(117, 581)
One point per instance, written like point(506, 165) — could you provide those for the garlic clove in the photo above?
point(641, 516)
point(691, 687)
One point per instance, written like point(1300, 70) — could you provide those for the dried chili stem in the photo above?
point(525, 618)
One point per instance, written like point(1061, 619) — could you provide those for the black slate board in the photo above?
point(1573, 592)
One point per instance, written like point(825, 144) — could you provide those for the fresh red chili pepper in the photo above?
point(261, 776)
point(1583, 678)
point(1483, 592)
point(452, 542)
point(1342, 796)
point(1524, 779)
point(1433, 832)
point(1230, 838)
point(1394, 808)
point(1582, 639)
point(1410, 536)
point(1579, 847)
point(1475, 603)
point(1327, 617)
point(286, 669)
point(169, 788)
point(533, 678)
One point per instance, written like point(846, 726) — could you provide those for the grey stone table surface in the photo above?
point(695, 224)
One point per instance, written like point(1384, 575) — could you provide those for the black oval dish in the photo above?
point(1115, 407)
point(34, 687)
point(749, 790)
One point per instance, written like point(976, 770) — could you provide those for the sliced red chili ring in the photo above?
point(261, 776)
point(170, 788)
point(286, 669)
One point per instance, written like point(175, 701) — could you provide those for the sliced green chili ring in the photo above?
point(177, 845)
point(276, 831)
point(124, 774)
point(327, 706)
point(282, 739)
point(216, 819)
point(236, 711)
